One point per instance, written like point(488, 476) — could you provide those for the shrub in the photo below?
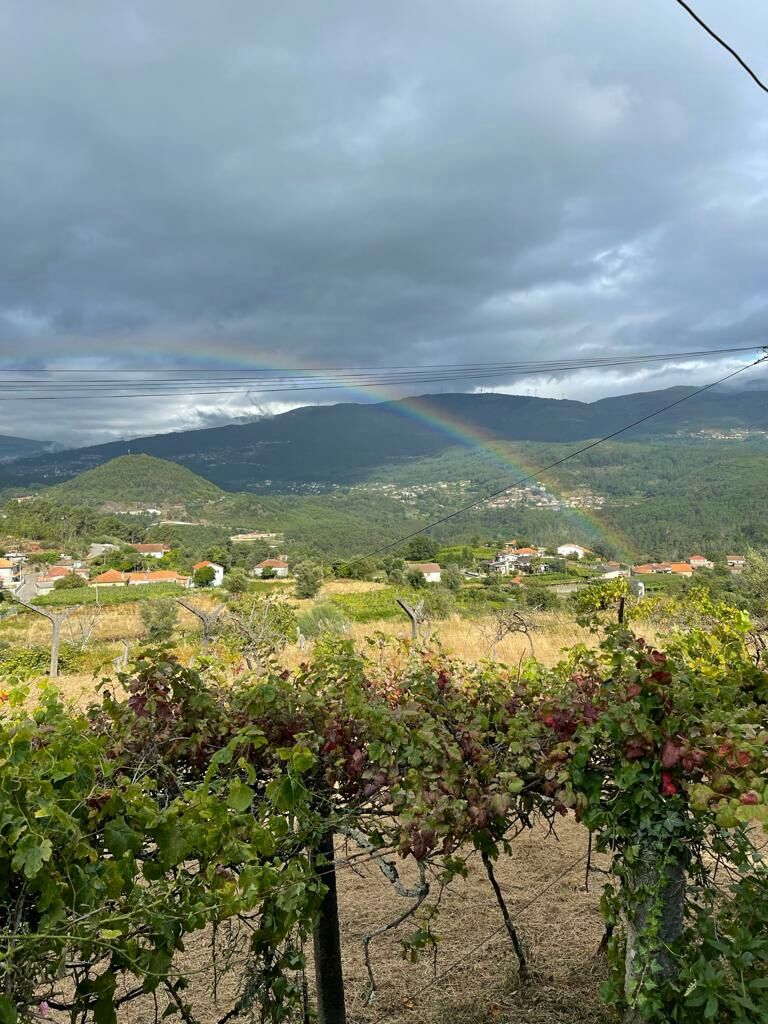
point(70, 582)
point(159, 618)
point(323, 620)
point(309, 576)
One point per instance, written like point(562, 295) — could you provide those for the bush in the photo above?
point(204, 577)
point(323, 620)
point(236, 582)
point(29, 662)
point(309, 576)
point(438, 603)
point(70, 582)
point(159, 618)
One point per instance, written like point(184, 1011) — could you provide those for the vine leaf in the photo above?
point(31, 853)
point(8, 1013)
point(119, 838)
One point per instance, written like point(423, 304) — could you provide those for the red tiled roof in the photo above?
point(148, 549)
point(272, 563)
point(110, 576)
point(156, 576)
point(424, 566)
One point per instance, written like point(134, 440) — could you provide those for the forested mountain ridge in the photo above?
point(20, 447)
point(135, 481)
point(349, 442)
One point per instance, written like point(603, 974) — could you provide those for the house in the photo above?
point(218, 571)
point(110, 578)
point(610, 571)
point(676, 568)
point(523, 553)
point(44, 584)
point(735, 562)
point(245, 538)
point(681, 568)
point(429, 570)
point(152, 550)
point(572, 551)
point(700, 562)
point(95, 550)
point(280, 567)
point(115, 578)
point(157, 576)
point(10, 573)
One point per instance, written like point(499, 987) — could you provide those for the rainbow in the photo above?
point(223, 356)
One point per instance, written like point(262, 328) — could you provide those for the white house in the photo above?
point(218, 571)
point(429, 570)
point(736, 562)
point(700, 562)
point(10, 573)
point(280, 567)
point(152, 550)
point(572, 551)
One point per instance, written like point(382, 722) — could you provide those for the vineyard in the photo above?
point(187, 804)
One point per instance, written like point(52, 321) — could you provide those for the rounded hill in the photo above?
point(136, 481)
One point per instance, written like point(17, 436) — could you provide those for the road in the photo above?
point(27, 590)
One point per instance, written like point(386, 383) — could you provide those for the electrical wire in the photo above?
point(29, 389)
point(559, 462)
point(723, 43)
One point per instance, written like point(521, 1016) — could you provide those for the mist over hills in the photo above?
point(20, 447)
point(345, 443)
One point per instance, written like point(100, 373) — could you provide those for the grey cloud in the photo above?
point(188, 183)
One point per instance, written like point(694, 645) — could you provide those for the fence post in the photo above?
point(412, 615)
point(326, 940)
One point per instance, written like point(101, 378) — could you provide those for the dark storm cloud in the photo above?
point(186, 183)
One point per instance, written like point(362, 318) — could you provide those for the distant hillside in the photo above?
point(345, 443)
point(20, 447)
point(135, 481)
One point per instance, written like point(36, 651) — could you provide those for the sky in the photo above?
point(189, 184)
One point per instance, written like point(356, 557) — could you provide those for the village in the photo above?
point(573, 565)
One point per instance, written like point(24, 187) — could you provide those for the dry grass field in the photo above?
point(472, 976)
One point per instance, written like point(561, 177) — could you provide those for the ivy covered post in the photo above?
point(654, 921)
point(326, 939)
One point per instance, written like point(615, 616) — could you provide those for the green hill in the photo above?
point(135, 481)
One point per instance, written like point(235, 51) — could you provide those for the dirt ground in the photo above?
point(473, 978)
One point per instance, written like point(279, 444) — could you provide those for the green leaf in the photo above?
point(8, 1013)
point(240, 796)
point(31, 853)
point(119, 838)
point(302, 759)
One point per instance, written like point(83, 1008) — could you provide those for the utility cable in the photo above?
point(566, 458)
point(722, 42)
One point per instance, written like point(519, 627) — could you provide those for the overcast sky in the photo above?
point(186, 183)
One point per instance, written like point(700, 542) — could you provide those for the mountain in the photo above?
point(135, 482)
point(348, 442)
point(20, 447)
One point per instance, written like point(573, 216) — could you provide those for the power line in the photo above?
point(30, 390)
point(723, 43)
point(559, 462)
point(407, 367)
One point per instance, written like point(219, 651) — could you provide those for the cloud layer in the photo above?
point(336, 184)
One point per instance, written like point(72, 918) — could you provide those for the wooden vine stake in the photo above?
point(326, 939)
point(56, 619)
